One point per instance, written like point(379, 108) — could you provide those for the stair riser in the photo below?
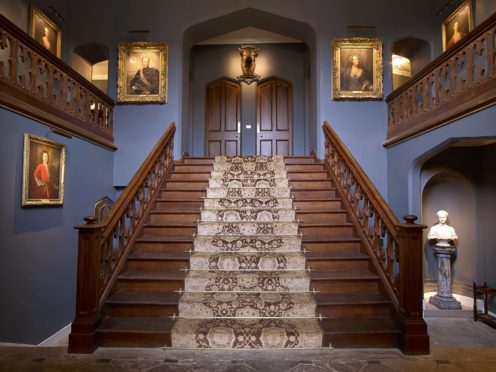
point(205, 312)
point(307, 176)
point(158, 265)
point(358, 311)
point(177, 194)
point(164, 247)
point(174, 217)
point(248, 228)
point(193, 168)
point(247, 262)
point(190, 176)
point(280, 192)
point(134, 339)
point(324, 217)
point(150, 285)
point(140, 310)
point(304, 167)
point(317, 194)
point(310, 184)
point(179, 185)
point(325, 265)
point(178, 205)
point(327, 231)
point(343, 286)
point(316, 205)
point(333, 247)
point(165, 231)
point(263, 215)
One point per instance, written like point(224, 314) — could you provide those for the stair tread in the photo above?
point(335, 224)
point(182, 211)
point(324, 210)
point(143, 255)
point(325, 239)
point(170, 224)
point(152, 275)
point(343, 275)
point(153, 298)
point(351, 298)
point(358, 326)
point(137, 324)
point(180, 200)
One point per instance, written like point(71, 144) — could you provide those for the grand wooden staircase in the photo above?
point(139, 308)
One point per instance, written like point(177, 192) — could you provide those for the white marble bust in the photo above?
point(442, 232)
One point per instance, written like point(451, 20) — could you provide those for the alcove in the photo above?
point(410, 55)
point(91, 61)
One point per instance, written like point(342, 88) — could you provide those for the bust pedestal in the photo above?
point(444, 298)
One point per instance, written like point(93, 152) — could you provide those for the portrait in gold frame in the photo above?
point(42, 172)
point(357, 69)
point(45, 31)
point(457, 25)
point(142, 72)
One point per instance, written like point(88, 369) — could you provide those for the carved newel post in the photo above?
point(442, 238)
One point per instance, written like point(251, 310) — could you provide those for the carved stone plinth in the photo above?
point(444, 298)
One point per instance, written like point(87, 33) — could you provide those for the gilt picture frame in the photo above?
point(457, 25)
point(357, 71)
point(142, 72)
point(43, 172)
point(45, 31)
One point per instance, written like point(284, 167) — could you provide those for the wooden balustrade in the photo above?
point(460, 81)
point(37, 84)
point(103, 247)
point(395, 249)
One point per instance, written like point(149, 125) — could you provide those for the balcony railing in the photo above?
point(460, 81)
point(35, 83)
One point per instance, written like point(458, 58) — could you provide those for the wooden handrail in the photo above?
point(103, 248)
point(460, 81)
point(395, 249)
point(37, 84)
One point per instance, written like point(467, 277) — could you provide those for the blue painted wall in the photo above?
point(38, 246)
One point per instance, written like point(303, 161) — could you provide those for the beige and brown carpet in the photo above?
point(247, 286)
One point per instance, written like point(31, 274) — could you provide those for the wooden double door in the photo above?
point(274, 110)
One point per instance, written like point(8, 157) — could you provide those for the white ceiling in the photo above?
point(249, 35)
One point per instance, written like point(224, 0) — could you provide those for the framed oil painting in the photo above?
point(42, 172)
point(457, 25)
point(357, 69)
point(45, 31)
point(142, 72)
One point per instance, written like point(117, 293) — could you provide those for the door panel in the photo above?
point(222, 117)
point(274, 118)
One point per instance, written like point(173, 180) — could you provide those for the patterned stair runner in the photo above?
point(247, 286)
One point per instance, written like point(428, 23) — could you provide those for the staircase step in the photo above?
point(245, 203)
point(225, 243)
point(315, 167)
point(317, 204)
point(327, 229)
point(183, 194)
point(357, 305)
point(311, 184)
point(339, 281)
point(299, 160)
point(247, 333)
point(256, 214)
point(254, 281)
point(359, 333)
point(247, 261)
point(248, 182)
point(322, 216)
point(158, 261)
point(151, 281)
point(184, 185)
point(135, 332)
point(249, 192)
point(189, 176)
point(185, 216)
point(307, 175)
point(195, 160)
point(168, 228)
point(337, 245)
point(325, 261)
point(316, 193)
point(190, 167)
point(164, 243)
point(178, 204)
point(255, 175)
point(247, 305)
point(142, 304)
point(247, 228)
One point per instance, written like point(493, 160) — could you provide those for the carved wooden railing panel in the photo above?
point(36, 83)
point(103, 248)
point(460, 81)
point(395, 249)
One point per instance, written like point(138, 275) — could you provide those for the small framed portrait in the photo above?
point(457, 25)
point(45, 31)
point(42, 172)
point(357, 69)
point(142, 72)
